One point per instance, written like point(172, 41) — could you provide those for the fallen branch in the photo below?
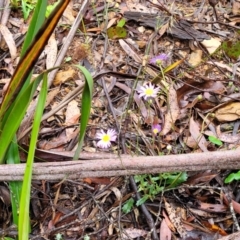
point(126, 165)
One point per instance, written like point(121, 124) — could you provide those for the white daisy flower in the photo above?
point(106, 138)
point(148, 91)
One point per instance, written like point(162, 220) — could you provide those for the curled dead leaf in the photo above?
point(197, 135)
point(229, 112)
point(63, 76)
point(175, 218)
point(192, 87)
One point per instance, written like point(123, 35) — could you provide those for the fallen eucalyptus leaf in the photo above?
point(229, 112)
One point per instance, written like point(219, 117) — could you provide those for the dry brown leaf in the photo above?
point(165, 232)
point(227, 138)
point(190, 142)
point(68, 15)
point(129, 51)
point(8, 37)
point(211, 45)
point(197, 135)
point(214, 228)
point(202, 213)
point(51, 95)
point(141, 43)
point(236, 8)
point(54, 143)
point(175, 219)
point(195, 57)
point(57, 142)
point(100, 180)
point(63, 76)
point(117, 193)
point(172, 113)
point(72, 116)
point(111, 22)
point(193, 87)
point(229, 112)
point(235, 205)
point(163, 29)
point(202, 177)
point(212, 207)
point(133, 233)
point(51, 51)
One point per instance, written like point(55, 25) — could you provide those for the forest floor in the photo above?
point(166, 82)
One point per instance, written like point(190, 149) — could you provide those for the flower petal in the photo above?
point(103, 144)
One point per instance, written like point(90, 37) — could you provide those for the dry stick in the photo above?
point(28, 118)
point(117, 167)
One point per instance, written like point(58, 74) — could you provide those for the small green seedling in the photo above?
point(233, 176)
point(127, 207)
point(215, 140)
point(26, 5)
point(151, 185)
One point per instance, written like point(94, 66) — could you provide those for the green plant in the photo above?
point(151, 185)
point(27, 6)
point(231, 177)
point(215, 140)
point(127, 207)
point(16, 100)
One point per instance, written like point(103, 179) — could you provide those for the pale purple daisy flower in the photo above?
point(158, 60)
point(148, 91)
point(106, 138)
point(156, 128)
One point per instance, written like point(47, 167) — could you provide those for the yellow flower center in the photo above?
point(106, 138)
point(149, 92)
point(155, 131)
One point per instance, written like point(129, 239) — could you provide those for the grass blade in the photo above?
point(23, 226)
point(86, 107)
point(36, 23)
point(15, 186)
point(12, 156)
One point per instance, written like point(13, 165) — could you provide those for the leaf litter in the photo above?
point(198, 98)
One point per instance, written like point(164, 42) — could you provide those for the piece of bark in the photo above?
point(181, 29)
